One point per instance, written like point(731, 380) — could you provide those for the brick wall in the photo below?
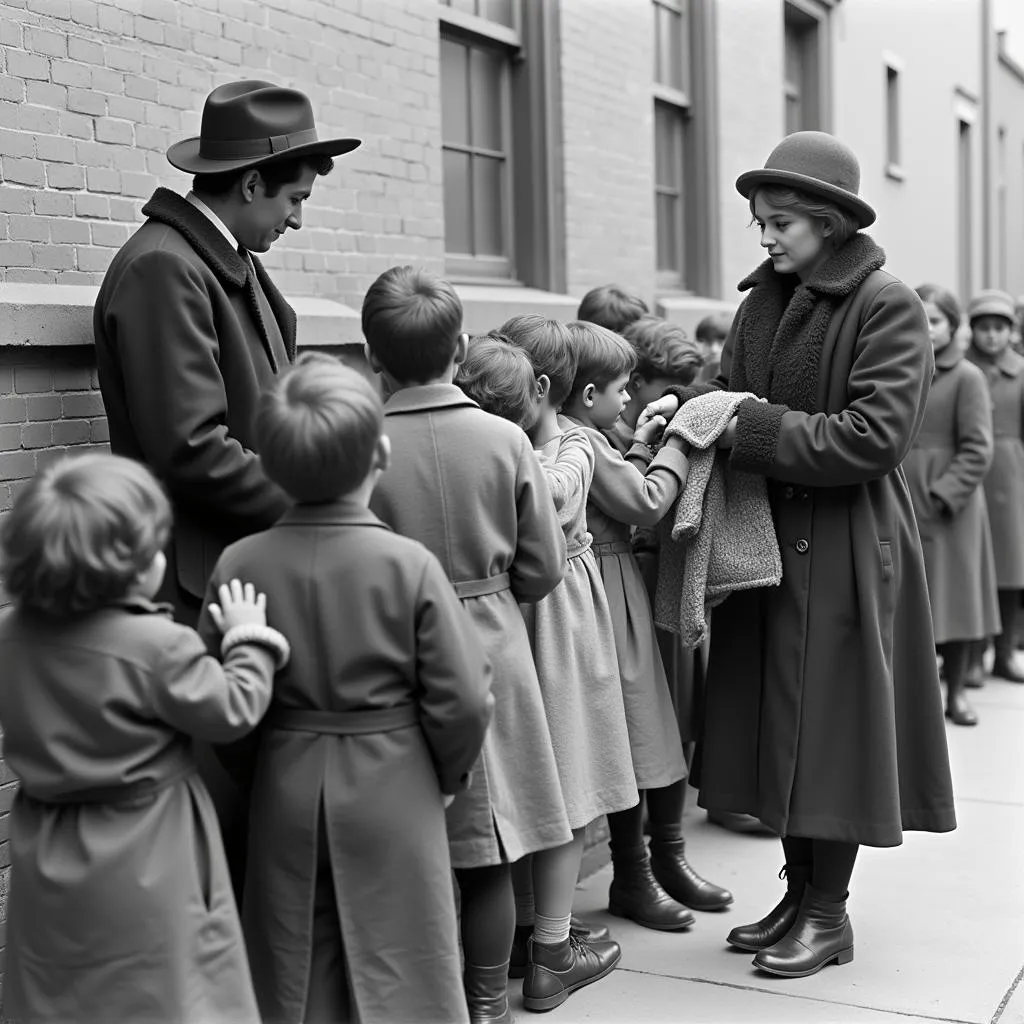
point(92, 92)
point(609, 142)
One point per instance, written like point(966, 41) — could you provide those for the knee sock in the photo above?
point(626, 829)
point(665, 810)
point(798, 850)
point(833, 867)
point(522, 884)
point(488, 914)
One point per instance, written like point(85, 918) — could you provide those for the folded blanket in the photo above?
point(721, 536)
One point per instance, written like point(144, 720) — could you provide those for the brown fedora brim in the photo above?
point(185, 155)
point(748, 181)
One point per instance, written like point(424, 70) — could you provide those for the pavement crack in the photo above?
point(1001, 1008)
point(909, 1014)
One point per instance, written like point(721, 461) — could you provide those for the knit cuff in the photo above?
point(758, 426)
point(264, 636)
point(641, 452)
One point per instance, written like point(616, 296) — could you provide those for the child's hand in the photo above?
point(240, 605)
point(666, 406)
point(650, 431)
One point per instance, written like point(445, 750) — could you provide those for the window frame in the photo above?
point(893, 117)
point(812, 17)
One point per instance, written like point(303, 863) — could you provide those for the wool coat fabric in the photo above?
point(721, 537)
point(121, 908)
point(824, 715)
point(374, 625)
point(945, 470)
point(629, 491)
point(1004, 482)
point(469, 487)
point(574, 650)
point(183, 351)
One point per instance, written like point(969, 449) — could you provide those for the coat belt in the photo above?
point(481, 588)
point(344, 723)
point(613, 547)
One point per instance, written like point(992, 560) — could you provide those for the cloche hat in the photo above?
point(813, 162)
point(249, 123)
point(992, 302)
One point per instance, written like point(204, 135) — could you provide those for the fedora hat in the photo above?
point(250, 123)
point(813, 162)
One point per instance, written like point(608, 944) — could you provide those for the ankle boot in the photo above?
point(592, 932)
point(1003, 668)
point(520, 958)
point(555, 972)
point(636, 895)
point(777, 922)
point(821, 935)
point(487, 994)
point(674, 874)
point(958, 710)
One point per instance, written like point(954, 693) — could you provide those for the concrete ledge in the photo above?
point(44, 315)
point(689, 310)
point(486, 307)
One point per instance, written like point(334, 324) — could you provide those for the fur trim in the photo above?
point(757, 436)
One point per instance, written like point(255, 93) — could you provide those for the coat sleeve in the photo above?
point(161, 315)
point(539, 562)
point(455, 679)
point(196, 694)
point(887, 388)
point(569, 474)
point(627, 493)
point(975, 447)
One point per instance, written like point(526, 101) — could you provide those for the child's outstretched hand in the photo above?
point(666, 407)
point(240, 605)
point(650, 431)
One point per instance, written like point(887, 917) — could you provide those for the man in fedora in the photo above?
point(189, 328)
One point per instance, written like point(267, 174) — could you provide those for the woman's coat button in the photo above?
point(802, 546)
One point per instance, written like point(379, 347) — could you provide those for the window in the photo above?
point(892, 121)
point(965, 219)
point(805, 43)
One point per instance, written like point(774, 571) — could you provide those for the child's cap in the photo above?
point(992, 302)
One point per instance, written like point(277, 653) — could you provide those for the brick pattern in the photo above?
point(92, 92)
point(608, 124)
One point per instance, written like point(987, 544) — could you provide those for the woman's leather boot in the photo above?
point(635, 894)
point(675, 875)
point(777, 922)
point(487, 994)
point(821, 935)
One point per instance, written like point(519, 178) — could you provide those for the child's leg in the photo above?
point(1006, 642)
point(488, 917)
point(634, 892)
point(522, 884)
point(668, 852)
point(955, 658)
point(560, 964)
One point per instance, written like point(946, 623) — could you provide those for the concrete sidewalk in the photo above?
point(939, 922)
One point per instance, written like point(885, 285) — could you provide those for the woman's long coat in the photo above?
point(1004, 483)
point(823, 712)
point(373, 625)
point(944, 470)
point(121, 908)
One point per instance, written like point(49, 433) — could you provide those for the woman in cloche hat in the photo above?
point(824, 716)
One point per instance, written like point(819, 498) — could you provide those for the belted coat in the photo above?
point(823, 714)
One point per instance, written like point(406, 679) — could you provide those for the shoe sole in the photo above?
point(844, 956)
point(707, 908)
point(653, 925)
point(550, 1002)
point(747, 947)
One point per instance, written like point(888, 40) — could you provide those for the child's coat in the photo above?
point(376, 632)
point(468, 485)
point(121, 908)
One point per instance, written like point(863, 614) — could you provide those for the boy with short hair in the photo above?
point(611, 306)
point(375, 724)
point(469, 486)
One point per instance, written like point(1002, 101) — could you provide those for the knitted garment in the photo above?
point(721, 537)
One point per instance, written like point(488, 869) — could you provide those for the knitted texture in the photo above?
point(721, 537)
point(265, 636)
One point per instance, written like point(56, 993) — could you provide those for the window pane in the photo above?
point(485, 74)
point(497, 10)
point(794, 115)
point(668, 61)
point(668, 154)
point(457, 200)
point(489, 206)
point(667, 223)
point(454, 92)
point(794, 56)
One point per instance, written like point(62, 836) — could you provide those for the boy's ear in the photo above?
point(543, 386)
point(461, 348)
point(371, 358)
point(636, 381)
point(382, 457)
point(587, 394)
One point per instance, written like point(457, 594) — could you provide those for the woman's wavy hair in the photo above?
point(842, 223)
point(498, 376)
point(80, 534)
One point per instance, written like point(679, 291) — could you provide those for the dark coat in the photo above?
point(823, 705)
point(373, 624)
point(944, 470)
point(1004, 482)
point(121, 908)
point(183, 354)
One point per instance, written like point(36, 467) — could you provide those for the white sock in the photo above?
point(525, 913)
point(550, 931)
